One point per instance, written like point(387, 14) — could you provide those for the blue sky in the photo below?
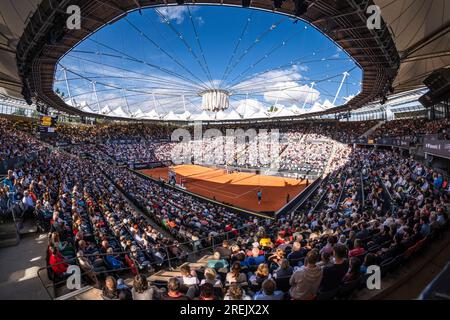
point(144, 62)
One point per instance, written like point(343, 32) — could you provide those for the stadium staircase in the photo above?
point(372, 129)
point(13, 227)
point(8, 234)
point(333, 152)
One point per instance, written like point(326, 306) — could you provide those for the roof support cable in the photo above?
point(253, 45)
point(183, 40)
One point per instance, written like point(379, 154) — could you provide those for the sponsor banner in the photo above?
point(145, 165)
point(439, 148)
point(361, 141)
point(397, 142)
point(123, 141)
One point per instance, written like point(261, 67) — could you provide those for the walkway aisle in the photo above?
point(18, 269)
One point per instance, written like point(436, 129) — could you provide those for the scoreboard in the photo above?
point(48, 121)
point(47, 125)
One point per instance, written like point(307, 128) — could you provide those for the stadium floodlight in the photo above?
point(277, 3)
point(301, 6)
point(246, 3)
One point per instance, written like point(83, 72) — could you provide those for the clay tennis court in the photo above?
point(238, 189)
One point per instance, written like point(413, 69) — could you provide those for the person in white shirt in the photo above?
point(27, 200)
point(189, 278)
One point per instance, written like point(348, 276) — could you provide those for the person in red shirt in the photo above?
point(57, 263)
point(280, 238)
point(358, 249)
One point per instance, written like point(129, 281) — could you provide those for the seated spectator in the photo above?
point(297, 252)
point(87, 268)
point(331, 241)
point(110, 291)
point(224, 250)
point(276, 258)
point(354, 271)
point(235, 275)
point(306, 280)
point(262, 273)
point(64, 247)
point(268, 291)
point(211, 278)
point(396, 249)
point(284, 270)
point(123, 290)
point(173, 291)
point(235, 292)
point(142, 291)
point(256, 259)
point(357, 250)
point(217, 262)
point(424, 226)
point(112, 261)
point(56, 261)
point(333, 275)
point(207, 292)
point(325, 259)
point(188, 277)
point(369, 260)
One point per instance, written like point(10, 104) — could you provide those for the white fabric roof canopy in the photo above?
point(420, 29)
point(421, 32)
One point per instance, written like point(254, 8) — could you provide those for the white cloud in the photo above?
point(281, 86)
point(178, 14)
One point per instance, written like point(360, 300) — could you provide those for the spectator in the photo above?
point(207, 292)
point(269, 291)
point(57, 262)
point(142, 291)
point(110, 291)
point(224, 250)
point(284, 270)
point(357, 250)
point(256, 259)
point(235, 292)
point(235, 275)
point(305, 281)
point(354, 271)
point(173, 291)
point(217, 262)
point(333, 275)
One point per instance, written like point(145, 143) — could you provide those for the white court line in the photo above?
point(256, 188)
point(235, 195)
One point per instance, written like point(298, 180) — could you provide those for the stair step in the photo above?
point(29, 227)
point(9, 242)
point(25, 231)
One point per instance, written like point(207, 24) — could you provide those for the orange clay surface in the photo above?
point(238, 189)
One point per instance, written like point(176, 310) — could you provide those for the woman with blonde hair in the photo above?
point(261, 274)
point(211, 278)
